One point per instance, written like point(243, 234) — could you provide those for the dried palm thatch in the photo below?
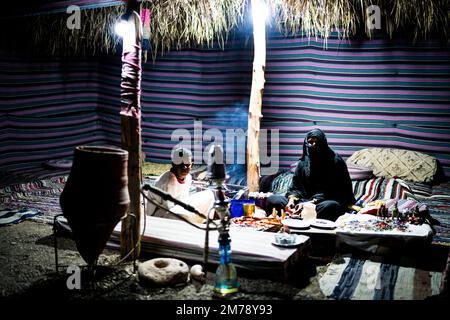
point(421, 16)
point(187, 23)
point(96, 33)
point(317, 18)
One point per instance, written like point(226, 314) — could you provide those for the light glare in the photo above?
point(122, 28)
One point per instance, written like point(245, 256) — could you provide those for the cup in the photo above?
point(249, 209)
point(237, 207)
point(309, 211)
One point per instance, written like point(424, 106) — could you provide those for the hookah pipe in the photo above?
point(226, 277)
point(216, 174)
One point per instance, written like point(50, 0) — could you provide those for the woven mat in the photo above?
point(350, 278)
point(155, 169)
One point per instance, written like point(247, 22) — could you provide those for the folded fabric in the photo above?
point(293, 167)
point(358, 172)
point(58, 164)
point(11, 216)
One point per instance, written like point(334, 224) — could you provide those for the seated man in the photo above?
point(177, 182)
point(321, 177)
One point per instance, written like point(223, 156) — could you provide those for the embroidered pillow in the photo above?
point(397, 163)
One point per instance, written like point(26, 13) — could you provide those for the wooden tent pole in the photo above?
point(131, 140)
point(255, 106)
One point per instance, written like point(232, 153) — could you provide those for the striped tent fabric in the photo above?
point(352, 278)
point(47, 107)
point(194, 97)
point(362, 93)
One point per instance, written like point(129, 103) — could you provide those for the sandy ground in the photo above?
point(27, 269)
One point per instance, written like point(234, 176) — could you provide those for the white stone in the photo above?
point(197, 272)
point(163, 272)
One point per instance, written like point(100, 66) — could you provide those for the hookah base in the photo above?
point(222, 292)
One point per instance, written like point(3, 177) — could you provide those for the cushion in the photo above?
point(358, 172)
point(282, 183)
point(397, 163)
point(58, 164)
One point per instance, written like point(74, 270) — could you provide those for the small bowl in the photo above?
point(284, 238)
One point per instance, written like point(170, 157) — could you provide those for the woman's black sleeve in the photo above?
point(297, 188)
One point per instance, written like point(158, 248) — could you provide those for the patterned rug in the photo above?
point(39, 195)
point(350, 278)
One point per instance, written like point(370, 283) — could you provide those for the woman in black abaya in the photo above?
point(321, 177)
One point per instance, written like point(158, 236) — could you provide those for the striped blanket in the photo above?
point(350, 278)
point(381, 188)
point(12, 216)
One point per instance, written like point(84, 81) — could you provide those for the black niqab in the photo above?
point(321, 173)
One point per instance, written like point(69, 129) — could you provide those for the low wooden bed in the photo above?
point(252, 250)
